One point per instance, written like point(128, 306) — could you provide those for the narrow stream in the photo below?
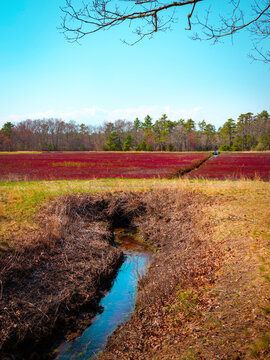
point(118, 303)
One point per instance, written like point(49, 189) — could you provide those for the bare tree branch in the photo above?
point(189, 17)
point(103, 14)
point(83, 18)
point(260, 55)
point(229, 26)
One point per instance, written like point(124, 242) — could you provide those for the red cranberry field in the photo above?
point(96, 165)
point(234, 166)
point(50, 166)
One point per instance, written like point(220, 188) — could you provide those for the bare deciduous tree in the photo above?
point(150, 16)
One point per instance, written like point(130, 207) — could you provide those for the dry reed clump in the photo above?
point(184, 259)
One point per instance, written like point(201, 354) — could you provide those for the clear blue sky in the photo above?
point(42, 75)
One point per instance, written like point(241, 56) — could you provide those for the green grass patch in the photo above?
point(261, 346)
point(19, 152)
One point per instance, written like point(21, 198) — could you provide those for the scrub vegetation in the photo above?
point(205, 296)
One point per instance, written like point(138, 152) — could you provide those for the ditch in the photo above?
point(117, 304)
point(65, 268)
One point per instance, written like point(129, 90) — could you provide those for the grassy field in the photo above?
point(236, 307)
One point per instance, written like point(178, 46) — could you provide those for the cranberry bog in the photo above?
point(97, 165)
point(234, 166)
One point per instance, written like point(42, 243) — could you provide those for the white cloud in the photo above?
point(96, 115)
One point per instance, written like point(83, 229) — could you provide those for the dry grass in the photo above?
point(207, 293)
point(21, 201)
point(227, 315)
point(57, 271)
point(184, 260)
point(235, 321)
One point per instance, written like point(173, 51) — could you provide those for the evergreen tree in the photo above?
point(7, 129)
point(137, 124)
point(127, 143)
point(113, 143)
point(244, 128)
point(147, 124)
point(227, 132)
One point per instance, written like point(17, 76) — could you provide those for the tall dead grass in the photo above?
point(56, 273)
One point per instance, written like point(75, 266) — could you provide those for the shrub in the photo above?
point(224, 147)
point(235, 147)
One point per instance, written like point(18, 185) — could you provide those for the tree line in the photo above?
point(248, 132)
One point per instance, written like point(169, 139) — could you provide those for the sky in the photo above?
point(102, 79)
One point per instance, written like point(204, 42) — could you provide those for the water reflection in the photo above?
point(118, 303)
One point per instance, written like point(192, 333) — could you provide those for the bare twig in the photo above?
point(229, 25)
point(93, 16)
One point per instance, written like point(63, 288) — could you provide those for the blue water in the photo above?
point(118, 305)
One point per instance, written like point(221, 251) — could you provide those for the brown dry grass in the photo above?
point(56, 272)
point(206, 295)
point(171, 223)
point(226, 314)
